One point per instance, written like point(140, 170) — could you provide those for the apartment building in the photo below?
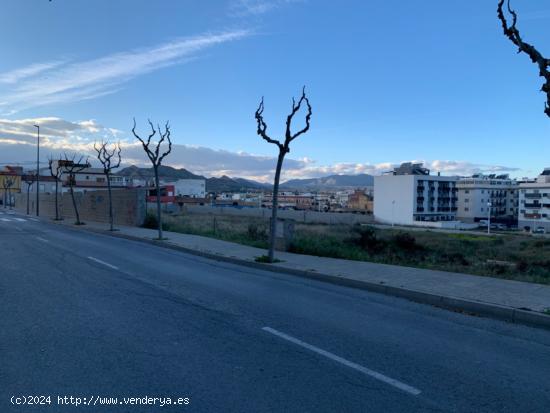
point(482, 195)
point(409, 195)
point(534, 203)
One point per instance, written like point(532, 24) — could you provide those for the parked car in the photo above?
point(539, 230)
point(501, 227)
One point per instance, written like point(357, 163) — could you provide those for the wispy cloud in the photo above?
point(28, 71)
point(40, 84)
point(18, 140)
point(240, 8)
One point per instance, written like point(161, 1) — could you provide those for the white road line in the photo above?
point(20, 219)
point(388, 380)
point(5, 219)
point(34, 219)
point(103, 262)
point(42, 239)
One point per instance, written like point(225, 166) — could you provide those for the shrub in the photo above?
point(405, 242)
point(150, 221)
point(367, 240)
point(456, 258)
point(522, 266)
point(256, 232)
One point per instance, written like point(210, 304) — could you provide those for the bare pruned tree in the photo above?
point(55, 172)
point(152, 149)
point(512, 32)
point(284, 148)
point(29, 180)
point(72, 167)
point(7, 184)
point(110, 159)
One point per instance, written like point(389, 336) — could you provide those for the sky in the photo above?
point(389, 81)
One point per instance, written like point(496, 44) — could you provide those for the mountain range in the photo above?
point(228, 184)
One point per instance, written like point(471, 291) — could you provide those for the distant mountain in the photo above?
point(330, 182)
point(227, 184)
point(166, 173)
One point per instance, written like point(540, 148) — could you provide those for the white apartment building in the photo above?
point(534, 203)
point(481, 195)
point(410, 195)
point(193, 188)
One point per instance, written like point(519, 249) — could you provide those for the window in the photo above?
point(466, 209)
point(467, 191)
point(467, 200)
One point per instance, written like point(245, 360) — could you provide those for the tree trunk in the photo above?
point(275, 206)
point(159, 215)
point(111, 218)
point(74, 206)
point(9, 198)
point(56, 202)
point(28, 195)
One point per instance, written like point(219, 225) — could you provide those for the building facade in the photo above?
point(534, 203)
point(409, 195)
point(194, 188)
point(481, 196)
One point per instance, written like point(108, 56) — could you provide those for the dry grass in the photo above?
point(513, 256)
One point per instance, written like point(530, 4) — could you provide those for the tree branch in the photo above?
point(536, 57)
point(262, 126)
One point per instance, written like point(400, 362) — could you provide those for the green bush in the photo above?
point(367, 240)
point(150, 221)
point(405, 242)
point(256, 232)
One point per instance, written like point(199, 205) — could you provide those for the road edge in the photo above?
point(456, 304)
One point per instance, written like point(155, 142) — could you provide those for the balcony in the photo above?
point(532, 206)
point(533, 196)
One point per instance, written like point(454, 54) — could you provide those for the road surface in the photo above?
point(93, 317)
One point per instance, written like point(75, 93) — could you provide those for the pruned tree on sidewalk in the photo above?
point(29, 180)
point(153, 151)
point(55, 172)
point(110, 159)
point(7, 184)
point(511, 32)
point(284, 148)
point(72, 167)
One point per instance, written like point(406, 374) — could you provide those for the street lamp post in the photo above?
point(392, 213)
point(489, 205)
point(37, 171)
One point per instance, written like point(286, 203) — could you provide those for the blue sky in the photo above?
point(389, 81)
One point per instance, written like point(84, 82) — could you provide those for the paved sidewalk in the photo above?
point(510, 300)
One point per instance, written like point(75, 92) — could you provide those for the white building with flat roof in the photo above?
point(193, 188)
point(534, 203)
point(410, 195)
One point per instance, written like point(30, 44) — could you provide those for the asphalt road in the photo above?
point(91, 316)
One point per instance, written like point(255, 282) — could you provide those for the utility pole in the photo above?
point(489, 205)
point(38, 171)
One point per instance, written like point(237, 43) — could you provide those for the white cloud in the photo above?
point(59, 82)
point(240, 8)
point(18, 146)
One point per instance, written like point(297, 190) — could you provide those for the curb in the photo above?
point(472, 307)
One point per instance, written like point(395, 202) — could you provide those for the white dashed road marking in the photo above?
point(378, 376)
point(103, 263)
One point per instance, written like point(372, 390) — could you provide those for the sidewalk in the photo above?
point(514, 301)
